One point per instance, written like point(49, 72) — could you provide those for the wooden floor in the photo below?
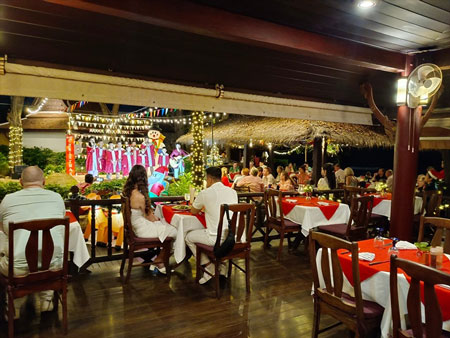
point(280, 303)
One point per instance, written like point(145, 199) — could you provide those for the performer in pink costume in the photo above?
point(142, 158)
point(150, 151)
point(101, 156)
point(119, 154)
point(127, 161)
point(135, 152)
point(110, 160)
point(92, 162)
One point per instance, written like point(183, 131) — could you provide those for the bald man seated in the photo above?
point(30, 203)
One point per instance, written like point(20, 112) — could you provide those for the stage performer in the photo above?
point(101, 156)
point(135, 152)
point(92, 161)
point(163, 160)
point(142, 158)
point(150, 152)
point(119, 153)
point(110, 160)
point(177, 160)
point(127, 161)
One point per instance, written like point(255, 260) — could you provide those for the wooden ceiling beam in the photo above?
point(202, 20)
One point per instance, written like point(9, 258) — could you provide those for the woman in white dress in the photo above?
point(144, 222)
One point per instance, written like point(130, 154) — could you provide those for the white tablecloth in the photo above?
point(384, 207)
point(311, 217)
point(376, 289)
point(77, 245)
point(183, 224)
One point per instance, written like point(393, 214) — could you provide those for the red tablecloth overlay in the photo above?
point(71, 216)
point(327, 210)
point(377, 199)
point(366, 270)
point(168, 213)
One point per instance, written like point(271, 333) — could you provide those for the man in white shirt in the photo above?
point(30, 203)
point(267, 178)
point(339, 173)
point(210, 201)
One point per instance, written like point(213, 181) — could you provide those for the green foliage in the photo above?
point(43, 157)
point(8, 188)
point(60, 189)
point(180, 187)
point(4, 167)
point(52, 168)
point(4, 149)
point(113, 187)
point(187, 165)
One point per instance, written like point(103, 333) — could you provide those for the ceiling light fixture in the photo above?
point(366, 3)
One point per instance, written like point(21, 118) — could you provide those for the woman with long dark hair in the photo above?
point(144, 222)
point(328, 180)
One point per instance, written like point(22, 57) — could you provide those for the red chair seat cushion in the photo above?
point(210, 248)
point(371, 309)
point(289, 224)
point(334, 229)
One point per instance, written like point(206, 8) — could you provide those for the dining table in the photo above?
point(374, 279)
point(311, 213)
point(184, 221)
point(382, 204)
point(77, 244)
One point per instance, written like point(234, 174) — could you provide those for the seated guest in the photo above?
point(389, 179)
point(430, 181)
point(379, 176)
point(303, 175)
point(268, 178)
point(252, 181)
point(31, 203)
point(286, 183)
point(210, 201)
point(350, 179)
point(235, 169)
point(339, 173)
point(420, 185)
point(88, 180)
point(260, 172)
point(279, 171)
point(368, 176)
point(328, 180)
point(244, 172)
point(144, 222)
point(225, 179)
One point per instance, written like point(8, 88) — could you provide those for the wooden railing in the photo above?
point(74, 206)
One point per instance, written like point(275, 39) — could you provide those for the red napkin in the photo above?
point(366, 270)
point(168, 213)
point(327, 210)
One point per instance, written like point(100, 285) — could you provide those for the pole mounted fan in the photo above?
point(423, 82)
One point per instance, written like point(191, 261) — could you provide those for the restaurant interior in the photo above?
point(281, 87)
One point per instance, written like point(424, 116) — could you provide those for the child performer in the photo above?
point(127, 161)
point(119, 154)
point(92, 162)
point(142, 159)
point(135, 152)
point(150, 152)
point(110, 160)
point(101, 156)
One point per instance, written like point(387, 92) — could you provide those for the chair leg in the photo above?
point(64, 308)
point(266, 237)
point(130, 264)
point(216, 278)
point(230, 265)
point(280, 248)
point(10, 315)
point(197, 261)
point(124, 258)
point(316, 320)
point(166, 260)
point(247, 272)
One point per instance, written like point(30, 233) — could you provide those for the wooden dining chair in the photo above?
point(350, 193)
point(356, 227)
point(359, 315)
point(422, 277)
point(275, 219)
point(242, 225)
point(440, 228)
point(38, 254)
point(132, 243)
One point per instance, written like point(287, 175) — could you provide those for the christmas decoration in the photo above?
point(214, 158)
point(197, 150)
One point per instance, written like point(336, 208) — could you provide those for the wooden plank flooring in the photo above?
point(280, 303)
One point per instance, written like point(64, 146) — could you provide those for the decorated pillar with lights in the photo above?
point(197, 150)
point(15, 132)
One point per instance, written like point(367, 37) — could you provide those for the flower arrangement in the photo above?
point(381, 187)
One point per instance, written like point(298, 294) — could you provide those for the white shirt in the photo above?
point(25, 205)
point(323, 184)
point(340, 176)
point(269, 179)
point(211, 199)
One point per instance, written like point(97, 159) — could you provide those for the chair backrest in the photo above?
point(332, 293)
point(126, 214)
point(432, 200)
point(433, 316)
point(349, 193)
point(440, 226)
point(272, 202)
point(242, 220)
point(38, 271)
point(360, 213)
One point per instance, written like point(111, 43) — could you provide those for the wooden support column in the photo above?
point(405, 171)
point(15, 132)
point(245, 156)
point(317, 159)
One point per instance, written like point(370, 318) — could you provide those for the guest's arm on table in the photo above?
point(198, 204)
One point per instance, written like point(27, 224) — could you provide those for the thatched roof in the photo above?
point(240, 130)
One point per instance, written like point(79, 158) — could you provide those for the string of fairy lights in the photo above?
point(197, 149)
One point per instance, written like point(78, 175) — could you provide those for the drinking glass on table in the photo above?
point(187, 198)
point(393, 249)
point(378, 241)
